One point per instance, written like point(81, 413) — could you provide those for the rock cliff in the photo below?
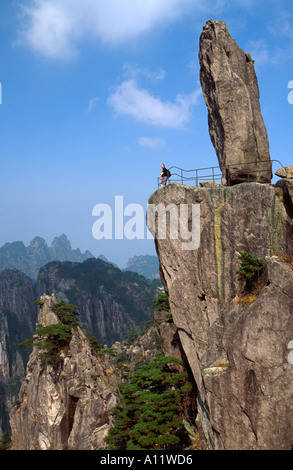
point(231, 92)
point(64, 406)
point(17, 322)
point(236, 347)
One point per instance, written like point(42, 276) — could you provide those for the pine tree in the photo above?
point(150, 411)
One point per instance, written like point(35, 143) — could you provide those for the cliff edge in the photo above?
point(235, 338)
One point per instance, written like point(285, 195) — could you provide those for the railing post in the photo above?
point(181, 176)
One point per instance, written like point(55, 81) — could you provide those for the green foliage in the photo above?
point(150, 411)
point(39, 302)
point(161, 302)
point(99, 348)
point(51, 339)
point(168, 317)
point(66, 313)
point(250, 266)
point(93, 342)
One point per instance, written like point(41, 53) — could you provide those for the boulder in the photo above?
point(231, 93)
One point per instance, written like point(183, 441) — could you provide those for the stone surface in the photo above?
point(231, 93)
point(18, 317)
point(208, 184)
point(238, 354)
point(65, 408)
point(286, 172)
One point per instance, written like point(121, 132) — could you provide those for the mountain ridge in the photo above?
point(29, 259)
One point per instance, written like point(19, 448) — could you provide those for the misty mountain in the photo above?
point(29, 259)
point(146, 265)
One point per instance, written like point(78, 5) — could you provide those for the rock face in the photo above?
point(17, 323)
point(231, 93)
point(68, 407)
point(237, 351)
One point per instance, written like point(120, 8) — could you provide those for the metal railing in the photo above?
point(214, 174)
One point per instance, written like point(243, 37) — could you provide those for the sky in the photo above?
point(96, 94)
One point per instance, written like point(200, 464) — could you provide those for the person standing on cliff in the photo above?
point(164, 175)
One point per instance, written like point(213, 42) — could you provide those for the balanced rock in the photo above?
point(231, 93)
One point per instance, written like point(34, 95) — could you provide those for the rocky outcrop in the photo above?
point(66, 406)
point(237, 349)
point(231, 93)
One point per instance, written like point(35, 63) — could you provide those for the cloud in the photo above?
point(133, 71)
point(92, 104)
point(131, 100)
point(55, 27)
point(152, 143)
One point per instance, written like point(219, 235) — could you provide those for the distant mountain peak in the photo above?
point(30, 259)
point(146, 265)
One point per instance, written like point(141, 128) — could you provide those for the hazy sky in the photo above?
point(96, 94)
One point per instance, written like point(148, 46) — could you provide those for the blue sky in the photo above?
point(96, 94)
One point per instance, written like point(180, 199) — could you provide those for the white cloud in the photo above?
point(152, 143)
point(131, 100)
point(134, 71)
point(54, 27)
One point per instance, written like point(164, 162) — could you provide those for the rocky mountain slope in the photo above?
point(111, 301)
point(71, 398)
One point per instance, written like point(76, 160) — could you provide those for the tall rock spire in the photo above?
point(231, 93)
